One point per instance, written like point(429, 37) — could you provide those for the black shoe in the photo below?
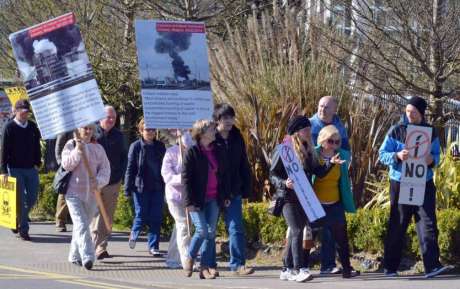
point(61, 229)
point(77, 263)
point(103, 255)
point(347, 274)
point(24, 236)
point(88, 265)
point(15, 231)
point(438, 271)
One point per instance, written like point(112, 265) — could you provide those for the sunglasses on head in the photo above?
point(333, 141)
point(149, 129)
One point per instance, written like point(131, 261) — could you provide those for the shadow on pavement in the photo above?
point(50, 238)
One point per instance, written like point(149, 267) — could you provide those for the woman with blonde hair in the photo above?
point(334, 193)
point(90, 168)
point(206, 188)
point(299, 132)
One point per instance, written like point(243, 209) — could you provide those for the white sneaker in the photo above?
point(293, 275)
point(303, 276)
point(285, 273)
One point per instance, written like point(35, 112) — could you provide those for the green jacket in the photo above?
point(346, 195)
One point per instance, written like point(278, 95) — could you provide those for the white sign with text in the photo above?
point(414, 169)
point(302, 186)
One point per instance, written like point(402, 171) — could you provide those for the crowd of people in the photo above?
point(205, 174)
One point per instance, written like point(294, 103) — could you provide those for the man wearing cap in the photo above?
point(326, 115)
point(21, 158)
point(392, 153)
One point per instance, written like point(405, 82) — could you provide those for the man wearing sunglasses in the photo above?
point(326, 115)
point(21, 158)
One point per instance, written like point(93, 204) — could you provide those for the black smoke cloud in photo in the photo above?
point(173, 43)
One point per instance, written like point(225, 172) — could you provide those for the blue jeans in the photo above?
point(28, 181)
point(148, 209)
point(327, 249)
point(205, 222)
point(233, 217)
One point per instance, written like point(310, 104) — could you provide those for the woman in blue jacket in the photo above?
point(143, 181)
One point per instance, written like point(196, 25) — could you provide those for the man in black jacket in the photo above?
point(113, 141)
point(21, 158)
point(230, 138)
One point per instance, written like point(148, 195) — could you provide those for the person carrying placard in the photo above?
point(393, 152)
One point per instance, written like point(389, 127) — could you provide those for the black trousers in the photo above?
point(296, 219)
point(426, 227)
point(336, 222)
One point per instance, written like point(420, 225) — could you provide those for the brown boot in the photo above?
point(205, 274)
point(213, 271)
point(188, 267)
point(243, 271)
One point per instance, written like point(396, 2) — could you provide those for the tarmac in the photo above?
point(42, 263)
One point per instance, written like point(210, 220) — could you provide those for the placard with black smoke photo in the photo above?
point(174, 72)
point(57, 75)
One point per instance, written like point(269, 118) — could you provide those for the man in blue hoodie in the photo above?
point(392, 153)
point(326, 115)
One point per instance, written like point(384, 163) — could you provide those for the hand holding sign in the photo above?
point(290, 184)
point(403, 155)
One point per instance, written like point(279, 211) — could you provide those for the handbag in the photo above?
point(62, 179)
point(275, 207)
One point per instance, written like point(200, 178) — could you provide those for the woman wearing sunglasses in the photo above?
point(143, 181)
point(334, 192)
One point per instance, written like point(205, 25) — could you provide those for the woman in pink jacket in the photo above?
point(171, 172)
point(80, 197)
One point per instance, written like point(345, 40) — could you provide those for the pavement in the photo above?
point(42, 263)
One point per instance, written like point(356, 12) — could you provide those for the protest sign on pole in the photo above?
point(414, 169)
point(57, 75)
point(16, 93)
point(8, 204)
point(302, 186)
point(174, 73)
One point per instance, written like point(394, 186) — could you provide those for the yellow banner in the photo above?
point(16, 93)
point(8, 204)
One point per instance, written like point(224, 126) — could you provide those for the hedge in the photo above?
point(366, 229)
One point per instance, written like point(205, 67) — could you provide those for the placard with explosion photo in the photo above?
point(57, 75)
point(174, 73)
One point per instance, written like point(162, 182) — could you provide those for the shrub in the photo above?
point(45, 208)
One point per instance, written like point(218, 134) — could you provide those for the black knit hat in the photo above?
point(419, 103)
point(297, 123)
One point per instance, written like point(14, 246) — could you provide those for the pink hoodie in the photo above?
point(171, 172)
point(72, 160)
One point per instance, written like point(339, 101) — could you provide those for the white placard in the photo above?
point(58, 76)
point(174, 73)
point(414, 169)
point(302, 186)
